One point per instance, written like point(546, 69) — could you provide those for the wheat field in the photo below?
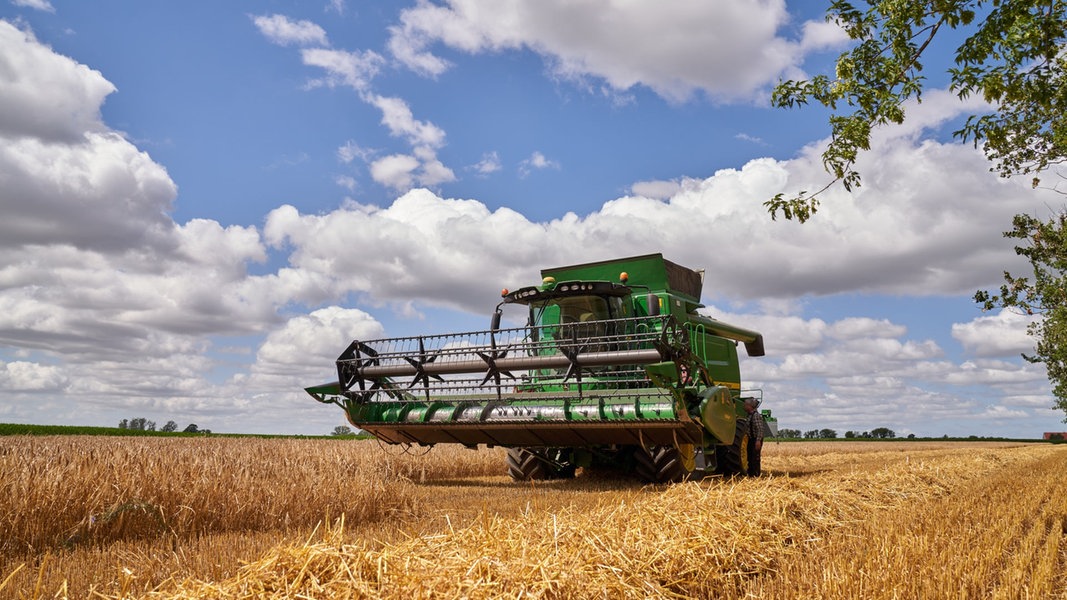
point(281, 518)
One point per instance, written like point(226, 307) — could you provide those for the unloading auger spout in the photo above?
point(623, 374)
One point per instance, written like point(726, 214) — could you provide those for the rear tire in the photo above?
point(661, 464)
point(525, 464)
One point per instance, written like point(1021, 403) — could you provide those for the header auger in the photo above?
point(614, 369)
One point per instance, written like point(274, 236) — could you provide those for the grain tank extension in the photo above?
point(613, 369)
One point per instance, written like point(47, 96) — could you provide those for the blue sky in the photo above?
point(206, 201)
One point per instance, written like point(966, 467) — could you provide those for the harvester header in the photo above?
point(613, 368)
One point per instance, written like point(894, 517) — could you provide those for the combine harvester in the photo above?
point(614, 369)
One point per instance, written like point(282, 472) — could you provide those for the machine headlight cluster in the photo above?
point(577, 287)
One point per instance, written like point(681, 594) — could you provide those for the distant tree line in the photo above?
point(143, 424)
point(880, 433)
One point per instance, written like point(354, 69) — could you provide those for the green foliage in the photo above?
point(342, 430)
point(883, 433)
point(1044, 294)
point(138, 424)
point(1012, 59)
point(23, 429)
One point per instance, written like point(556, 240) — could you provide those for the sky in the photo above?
point(205, 202)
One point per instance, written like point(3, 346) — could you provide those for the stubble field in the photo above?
point(254, 518)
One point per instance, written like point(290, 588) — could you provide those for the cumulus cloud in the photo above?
point(397, 116)
point(309, 342)
point(119, 194)
point(105, 295)
point(21, 376)
point(658, 190)
point(862, 327)
point(728, 50)
point(863, 373)
point(396, 171)
point(999, 335)
point(60, 103)
point(283, 31)
point(928, 221)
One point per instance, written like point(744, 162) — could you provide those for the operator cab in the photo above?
point(573, 302)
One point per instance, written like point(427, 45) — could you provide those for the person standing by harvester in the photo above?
point(755, 436)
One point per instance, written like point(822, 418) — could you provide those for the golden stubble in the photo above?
point(249, 518)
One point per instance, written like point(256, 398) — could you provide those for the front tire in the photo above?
point(525, 464)
point(661, 464)
point(733, 459)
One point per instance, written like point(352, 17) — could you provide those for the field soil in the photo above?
point(244, 518)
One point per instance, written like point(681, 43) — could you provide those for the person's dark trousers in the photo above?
point(753, 461)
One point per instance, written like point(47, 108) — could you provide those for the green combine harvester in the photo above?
point(613, 369)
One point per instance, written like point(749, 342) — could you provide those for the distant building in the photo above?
point(1049, 435)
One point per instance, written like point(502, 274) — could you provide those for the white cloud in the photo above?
point(94, 275)
point(352, 69)
point(862, 373)
point(995, 372)
point(351, 151)
point(657, 190)
point(999, 335)
point(822, 35)
point(489, 164)
point(397, 116)
point(396, 171)
point(21, 376)
point(409, 51)
point(347, 182)
point(728, 50)
point(283, 31)
point(536, 162)
point(433, 171)
point(119, 195)
point(312, 341)
point(60, 103)
point(401, 172)
point(862, 327)
point(928, 221)
point(44, 5)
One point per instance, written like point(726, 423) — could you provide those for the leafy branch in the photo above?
point(1013, 59)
